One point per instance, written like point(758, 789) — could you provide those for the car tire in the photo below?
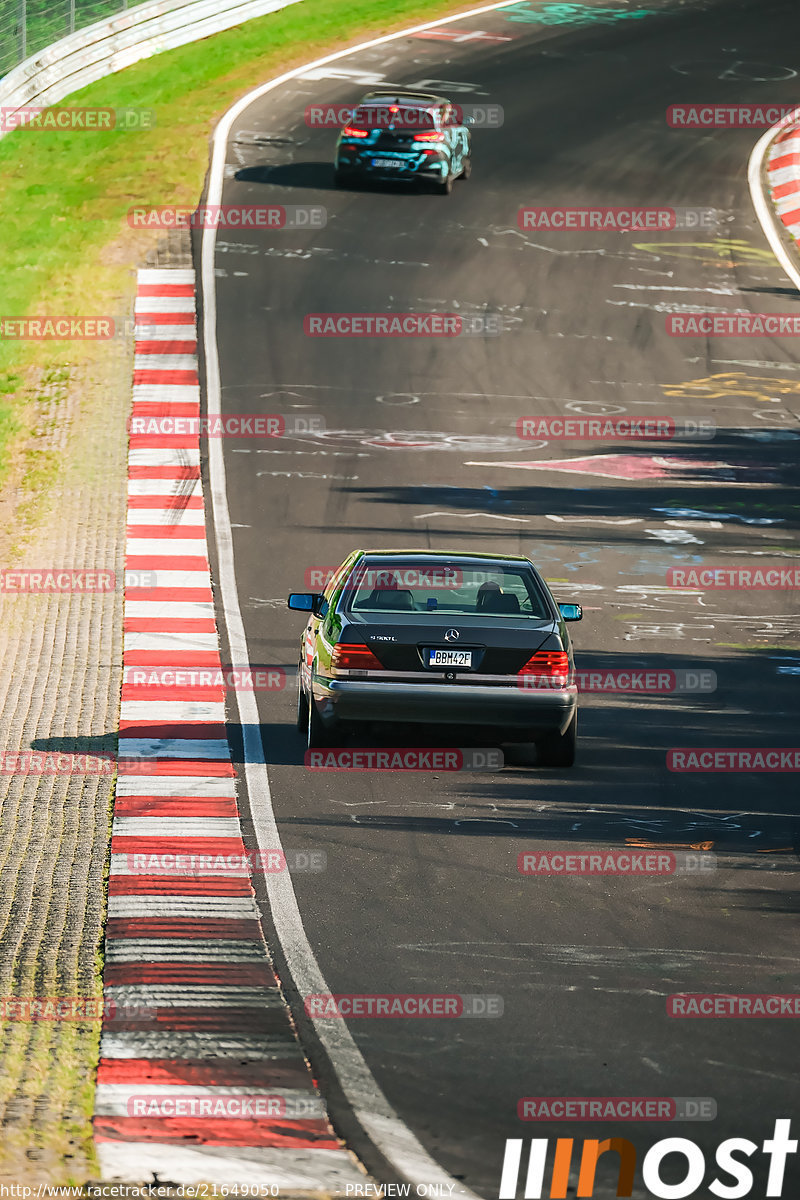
point(302, 702)
point(466, 169)
point(558, 749)
point(445, 187)
point(316, 733)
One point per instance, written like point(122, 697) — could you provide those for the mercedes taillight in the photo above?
point(349, 656)
point(546, 668)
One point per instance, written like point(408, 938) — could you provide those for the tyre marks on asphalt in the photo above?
point(194, 1012)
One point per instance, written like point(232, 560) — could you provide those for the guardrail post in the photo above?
point(23, 30)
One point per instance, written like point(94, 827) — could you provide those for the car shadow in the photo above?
point(319, 176)
point(315, 175)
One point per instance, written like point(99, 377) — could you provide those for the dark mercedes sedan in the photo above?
point(437, 638)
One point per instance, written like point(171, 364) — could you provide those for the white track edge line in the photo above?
point(391, 1137)
point(763, 205)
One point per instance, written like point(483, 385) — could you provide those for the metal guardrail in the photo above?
point(28, 26)
point(116, 42)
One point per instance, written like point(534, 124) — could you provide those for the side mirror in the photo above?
point(469, 120)
point(307, 602)
point(571, 612)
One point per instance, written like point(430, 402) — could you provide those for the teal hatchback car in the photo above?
point(405, 137)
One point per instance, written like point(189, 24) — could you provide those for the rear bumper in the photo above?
point(542, 711)
point(433, 168)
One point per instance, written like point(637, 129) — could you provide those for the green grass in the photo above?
point(64, 196)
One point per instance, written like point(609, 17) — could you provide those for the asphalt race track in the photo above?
point(422, 891)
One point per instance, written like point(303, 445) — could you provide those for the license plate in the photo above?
point(449, 658)
point(388, 162)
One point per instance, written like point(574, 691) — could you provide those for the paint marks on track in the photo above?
point(722, 253)
point(593, 520)
point(573, 14)
point(700, 514)
point(461, 36)
point(645, 467)
point(734, 384)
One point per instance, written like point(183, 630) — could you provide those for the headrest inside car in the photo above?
point(389, 598)
point(500, 602)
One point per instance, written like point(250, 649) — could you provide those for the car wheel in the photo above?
point(558, 749)
point(316, 733)
point(302, 702)
point(445, 188)
point(466, 169)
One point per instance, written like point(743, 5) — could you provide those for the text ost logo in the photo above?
point(728, 1158)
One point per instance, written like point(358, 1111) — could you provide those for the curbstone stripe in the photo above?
point(188, 946)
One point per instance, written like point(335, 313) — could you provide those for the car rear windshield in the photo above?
point(451, 588)
point(398, 116)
